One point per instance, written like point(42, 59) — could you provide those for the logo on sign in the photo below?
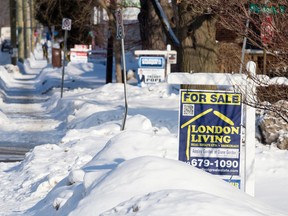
point(66, 24)
point(151, 62)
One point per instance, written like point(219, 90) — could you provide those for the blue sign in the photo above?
point(210, 131)
point(151, 62)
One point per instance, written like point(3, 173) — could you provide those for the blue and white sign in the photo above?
point(151, 62)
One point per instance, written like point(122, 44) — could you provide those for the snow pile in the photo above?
point(81, 163)
point(133, 169)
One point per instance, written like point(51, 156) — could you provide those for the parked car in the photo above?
point(6, 46)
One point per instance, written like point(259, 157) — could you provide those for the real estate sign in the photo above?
point(151, 69)
point(210, 132)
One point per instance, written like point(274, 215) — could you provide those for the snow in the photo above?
point(80, 162)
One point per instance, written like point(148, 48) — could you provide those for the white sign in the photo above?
point(151, 75)
point(78, 57)
point(79, 54)
point(14, 52)
point(172, 58)
point(66, 24)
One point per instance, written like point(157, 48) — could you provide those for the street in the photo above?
point(5, 58)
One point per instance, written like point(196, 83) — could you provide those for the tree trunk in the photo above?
point(118, 67)
point(20, 30)
point(109, 65)
point(13, 30)
point(198, 51)
point(152, 35)
point(27, 28)
point(33, 24)
point(117, 43)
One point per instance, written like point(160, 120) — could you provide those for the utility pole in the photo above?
point(20, 25)
point(13, 30)
point(33, 24)
point(27, 28)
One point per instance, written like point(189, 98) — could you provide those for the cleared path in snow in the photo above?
point(10, 154)
point(25, 122)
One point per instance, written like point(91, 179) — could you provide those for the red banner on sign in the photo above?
point(267, 30)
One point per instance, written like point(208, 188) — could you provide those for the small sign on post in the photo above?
point(119, 25)
point(66, 25)
point(120, 36)
point(14, 52)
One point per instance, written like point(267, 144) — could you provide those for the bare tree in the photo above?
point(152, 36)
point(50, 13)
point(197, 24)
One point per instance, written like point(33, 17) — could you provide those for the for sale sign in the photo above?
point(210, 132)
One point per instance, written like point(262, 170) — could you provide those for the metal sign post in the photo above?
point(66, 25)
point(120, 36)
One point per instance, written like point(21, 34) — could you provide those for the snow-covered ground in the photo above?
point(81, 163)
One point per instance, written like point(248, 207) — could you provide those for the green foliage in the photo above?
point(267, 9)
point(130, 3)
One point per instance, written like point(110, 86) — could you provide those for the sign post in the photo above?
point(66, 25)
point(120, 36)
